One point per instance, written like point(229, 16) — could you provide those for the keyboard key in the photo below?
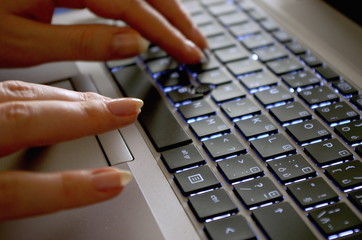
point(224, 146)
point(284, 66)
point(269, 25)
point(301, 79)
point(239, 108)
point(196, 109)
point(335, 219)
point(328, 152)
point(273, 146)
point(291, 168)
point(281, 36)
point(153, 52)
point(202, 19)
point(161, 65)
point(227, 92)
point(356, 198)
point(273, 95)
point(222, 9)
point(290, 112)
point(220, 41)
point(182, 157)
point(209, 126)
point(346, 175)
point(257, 41)
point(208, 64)
point(318, 95)
point(183, 94)
point(280, 221)
point(245, 28)
point(257, 192)
point(270, 53)
point(212, 204)
point(311, 60)
point(327, 73)
point(173, 79)
point(337, 112)
point(240, 168)
point(196, 180)
point(215, 77)
point(312, 192)
point(233, 18)
point(258, 80)
point(256, 126)
point(295, 47)
point(357, 101)
point(211, 29)
point(350, 132)
point(344, 87)
point(154, 111)
point(308, 131)
point(230, 228)
point(231, 54)
point(244, 67)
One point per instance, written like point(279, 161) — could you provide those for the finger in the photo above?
point(38, 42)
point(151, 24)
point(177, 16)
point(40, 123)
point(24, 194)
point(24, 91)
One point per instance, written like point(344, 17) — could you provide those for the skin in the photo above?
point(35, 115)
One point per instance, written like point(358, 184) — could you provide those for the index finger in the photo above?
point(152, 25)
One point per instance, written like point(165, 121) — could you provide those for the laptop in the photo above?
point(262, 141)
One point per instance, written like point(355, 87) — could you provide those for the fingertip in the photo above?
point(110, 179)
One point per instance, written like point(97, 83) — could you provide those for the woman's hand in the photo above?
point(37, 115)
point(28, 38)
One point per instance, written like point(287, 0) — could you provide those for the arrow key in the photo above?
point(234, 227)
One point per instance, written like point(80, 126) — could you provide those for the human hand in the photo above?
point(37, 115)
point(28, 39)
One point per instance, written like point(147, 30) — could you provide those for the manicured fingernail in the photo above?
point(111, 178)
point(200, 55)
point(124, 106)
point(129, 44)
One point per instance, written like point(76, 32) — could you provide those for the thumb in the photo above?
point(39, 42)
point(24, 194)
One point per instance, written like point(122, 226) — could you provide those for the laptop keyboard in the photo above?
point(262, 140)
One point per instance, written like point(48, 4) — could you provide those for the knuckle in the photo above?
point(15, 112)
point(17, 89)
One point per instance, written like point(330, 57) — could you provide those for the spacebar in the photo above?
point(164, 131)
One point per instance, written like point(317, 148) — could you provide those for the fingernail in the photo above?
point(108, 179)
point(129, 44)
point(200, 55)
point(124, 106)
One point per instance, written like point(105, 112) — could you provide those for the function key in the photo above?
point(312, 192)
point(328, 152)
point(351, 132)
point(240, 108)
point(212, 204)
point(273, 146)
point(256, 126)
point(274, 95)
point(196, 180)
point(240, 168)
point(327, 73)
point(308, 131)
point(224, 146)
point(280, 221)
point(284, 66)
point(344, 87)
point(301, 79)
point(318, 95)
point(346, 175)
point(291, 168)
point(334, 219)
point(182, 157)
point(290, 112)
point(337, 112)
point(257, 192)
point(230, 228)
